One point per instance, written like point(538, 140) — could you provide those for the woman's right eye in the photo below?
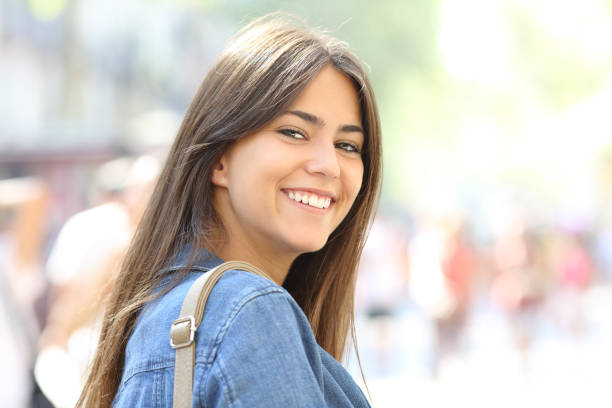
point(292, 133)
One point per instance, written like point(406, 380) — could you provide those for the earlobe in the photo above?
point(219, 174)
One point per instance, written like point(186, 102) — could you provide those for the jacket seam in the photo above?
point(226, 387)
point(145, 369)
point(270, 290)
point(175, 268)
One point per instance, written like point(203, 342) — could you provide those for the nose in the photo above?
point(324, 160)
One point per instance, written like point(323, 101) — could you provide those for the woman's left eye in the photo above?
point(292, 133)
point(349, 147)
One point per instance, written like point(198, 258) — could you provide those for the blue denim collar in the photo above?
point(203, 259)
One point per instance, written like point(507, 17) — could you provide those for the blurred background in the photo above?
point(487, 277)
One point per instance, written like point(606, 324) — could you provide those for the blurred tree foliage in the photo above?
point(554, 55)
point(424, 108)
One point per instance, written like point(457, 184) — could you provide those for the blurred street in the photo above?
point(558, 370)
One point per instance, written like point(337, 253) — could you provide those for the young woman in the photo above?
point(277, 163)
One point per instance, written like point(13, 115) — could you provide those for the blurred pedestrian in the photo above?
point(382, 285)
point(520, 287)
point(441, 273)
point(23, 208)
point(574, 273)
point(81, 269)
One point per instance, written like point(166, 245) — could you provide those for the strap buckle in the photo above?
point(178, 330)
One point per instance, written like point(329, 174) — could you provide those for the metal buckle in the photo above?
point(192, 330)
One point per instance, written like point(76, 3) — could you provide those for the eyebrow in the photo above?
point(315, 120)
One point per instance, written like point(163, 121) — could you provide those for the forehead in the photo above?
point(332, 96)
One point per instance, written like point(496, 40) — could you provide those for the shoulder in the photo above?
point(244, 307)
point(261, 351)
point(237, 296)
point(260, 348)
point(148, 347)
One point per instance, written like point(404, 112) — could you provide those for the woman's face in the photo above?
point(288, 186)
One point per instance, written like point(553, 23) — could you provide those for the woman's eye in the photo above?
point(349, 147)
point(294, 134)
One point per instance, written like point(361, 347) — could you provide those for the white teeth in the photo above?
point(313, 200)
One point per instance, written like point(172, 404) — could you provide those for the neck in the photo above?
point(277, 267)
point(235, 243)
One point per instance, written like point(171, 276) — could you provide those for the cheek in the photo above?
point(255, 179)
point(354, 179)
point(351, 180)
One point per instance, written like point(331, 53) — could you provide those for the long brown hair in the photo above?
point(259, 74)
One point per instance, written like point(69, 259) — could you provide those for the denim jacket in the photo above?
point(254, 348)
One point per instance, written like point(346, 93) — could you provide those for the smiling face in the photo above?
point(281, 191)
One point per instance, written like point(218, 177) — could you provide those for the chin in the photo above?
point(309, 246)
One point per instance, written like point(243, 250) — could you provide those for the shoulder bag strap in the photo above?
point(183, 329)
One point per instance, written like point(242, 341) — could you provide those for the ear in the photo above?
point(220, 174)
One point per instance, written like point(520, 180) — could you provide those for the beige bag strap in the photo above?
point(183, 329)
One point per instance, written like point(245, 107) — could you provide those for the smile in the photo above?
point(310, 199)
